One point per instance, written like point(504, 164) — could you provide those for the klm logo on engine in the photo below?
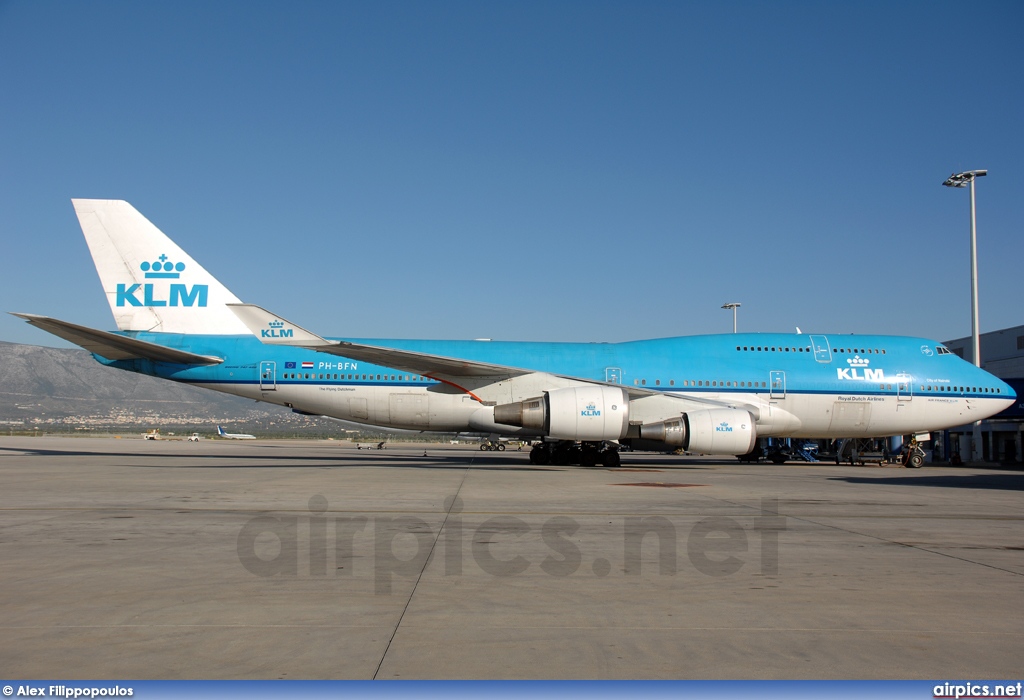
point(276, 330)
point(156, 294)
point(590, 411)
point(723, 427)
point(859, 370)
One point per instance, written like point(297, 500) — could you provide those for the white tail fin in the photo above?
point(151, 283)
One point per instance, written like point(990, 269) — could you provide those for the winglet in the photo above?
point(274, 330)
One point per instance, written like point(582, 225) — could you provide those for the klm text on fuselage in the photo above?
point(870, 375)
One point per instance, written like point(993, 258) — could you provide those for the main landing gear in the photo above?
point(492, 446)
point(567, 452)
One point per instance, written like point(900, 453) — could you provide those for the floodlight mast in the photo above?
point(732, 305)
point(962, 180)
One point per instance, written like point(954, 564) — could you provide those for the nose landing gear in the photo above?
point(913, 457)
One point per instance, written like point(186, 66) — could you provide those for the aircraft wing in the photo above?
point(274, 330)
point(116, 347)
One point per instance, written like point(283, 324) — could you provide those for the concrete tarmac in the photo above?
point(131, 559)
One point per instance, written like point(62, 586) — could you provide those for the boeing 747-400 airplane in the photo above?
point(233, 436)
point(711, 394)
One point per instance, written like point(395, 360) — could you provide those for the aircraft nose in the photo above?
point(1011, 395)
point(1002, 387)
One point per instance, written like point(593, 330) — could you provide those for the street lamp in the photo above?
point(732, 305)
point(962, 180)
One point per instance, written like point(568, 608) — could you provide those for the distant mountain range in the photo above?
point(51, 389)
point(51, 385)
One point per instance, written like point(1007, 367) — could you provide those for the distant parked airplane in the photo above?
point(234, 436)
point(710, 394)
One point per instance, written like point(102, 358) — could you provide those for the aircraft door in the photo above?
point(904, 386)
point(819, 346)
point(268, 375)
point(613, 375)
point(777, 384)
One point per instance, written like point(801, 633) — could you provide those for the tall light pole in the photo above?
point(732, 305)
point(962, 180)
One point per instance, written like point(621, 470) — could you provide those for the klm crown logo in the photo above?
point(162, 269)
point(153, 294)
point(858, 361)
point(590, 411)
point(276, 329)
point(723, 427)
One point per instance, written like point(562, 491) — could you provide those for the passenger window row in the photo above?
point(839, 351)
point(702, 382)
point(961, 389)
point(356, 377)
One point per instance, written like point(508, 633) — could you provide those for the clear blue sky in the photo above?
point(515, 170)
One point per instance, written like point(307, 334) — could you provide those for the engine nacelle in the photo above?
point(585, 413)
point(719, 431)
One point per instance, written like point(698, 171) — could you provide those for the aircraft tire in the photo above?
point(611, 459)
point(501, 448)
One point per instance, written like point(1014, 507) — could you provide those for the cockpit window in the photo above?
point(942, 350)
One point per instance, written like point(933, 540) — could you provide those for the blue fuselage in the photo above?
point(795, 373)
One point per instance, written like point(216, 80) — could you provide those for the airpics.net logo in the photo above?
point(156, 294)
point(971, 690)
point(382, 549)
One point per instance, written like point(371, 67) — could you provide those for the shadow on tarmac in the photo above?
point(363, 458)
point(343, 458)
point(998, 482)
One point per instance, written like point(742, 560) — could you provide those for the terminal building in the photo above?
point(1002, 354)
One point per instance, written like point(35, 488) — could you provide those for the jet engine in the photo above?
point(722, 431)
point(584, 413)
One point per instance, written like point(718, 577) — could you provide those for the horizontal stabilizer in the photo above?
point(274, 330)
point(116, 347)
